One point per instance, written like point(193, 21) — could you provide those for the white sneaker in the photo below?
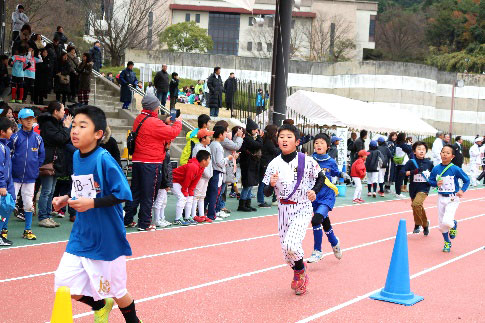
point(165, 223)
point(219, 218)
point(401, 196)
point(337, 251)
point(223, 214)
point(316, 256)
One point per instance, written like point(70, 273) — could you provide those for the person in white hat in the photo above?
point(475, 161)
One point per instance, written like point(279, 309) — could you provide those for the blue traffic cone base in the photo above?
point(397, 289)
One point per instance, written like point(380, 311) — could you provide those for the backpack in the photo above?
point(400, 156)
point(130, 141)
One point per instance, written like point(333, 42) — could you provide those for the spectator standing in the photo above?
point(457, 146)
point(269, 151)
point(386, 158)
point(74, 62)
point(54, 130)
point(350, 149)
point(62, 82)
point(259, 101)
point(199, 88)
point(372, 165)
point(404, 152)
point(231, 144)
point(19, 19)
point(109, 143)
point(110, 77)
point(59, 34)
point(214, 83)
point(148, 159)
point(84, 69)
point(29, 74)
point(127, 77)
point(174, 90)
point(475, 161)
point(161, 82)
point(96, 56)
point(4, 77)
point(43, 77)
point(333, 151)
point(359, 143)
point(390, 176)
point(436, 150)
point(251, 152)
point(36, 43)
point(150, 89)
point(230, 88)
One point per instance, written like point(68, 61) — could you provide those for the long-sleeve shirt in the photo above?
point(18, 20)
point(188, 176)
point(450, 179)
point(217, 155)
point(418, 175)
point(358, 169)
point(475, 155)
point(436, 151)
point(208, 171)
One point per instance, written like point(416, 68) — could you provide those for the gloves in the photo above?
point(345, 176)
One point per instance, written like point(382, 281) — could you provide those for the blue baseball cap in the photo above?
point(381, 139)
point(335, 138)
point(373, 143)
point(25, 113)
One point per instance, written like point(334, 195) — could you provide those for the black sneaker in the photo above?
point(5, 242)
point(425, 231)
point(416, 229)
point(264, 205)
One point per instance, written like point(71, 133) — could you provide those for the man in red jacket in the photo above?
point(185, 179)
point(147, 162)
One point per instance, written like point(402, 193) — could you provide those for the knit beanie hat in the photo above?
point(251, 125)
point(150, 102)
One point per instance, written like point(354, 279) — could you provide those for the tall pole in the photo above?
point(3, 18)
point(282, 57)
point(276, 28)
point(452, 107)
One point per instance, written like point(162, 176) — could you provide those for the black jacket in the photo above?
point(358, 146)
point(161, 81)
point(333, 152)
point(112, 147)
point(174, 88)
point(96, 57)
point(269, 151)
point(43, 76)
point(63, 68)
point(55, 137)
point(62, 38)
point(214, 83)
point(230, 87)
point(386, 154)
point(372, 161)
point(167, 178)
point(458, 159)
point(249, 160)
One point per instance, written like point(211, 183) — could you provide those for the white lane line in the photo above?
point(367, 295)
point(232, 242)
point(251, 273)
point(232, 220)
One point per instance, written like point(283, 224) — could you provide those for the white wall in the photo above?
point(362, 28)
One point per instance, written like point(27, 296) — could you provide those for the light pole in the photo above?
point(458, 83)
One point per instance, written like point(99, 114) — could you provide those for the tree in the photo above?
point(344, 45)
point(186, 37)
point(400, 34)
point(125, 24)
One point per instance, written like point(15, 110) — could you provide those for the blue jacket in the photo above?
point(452, 175)
point(27, 155)
point(423, 165)
point(6, 168)
point(326, 196)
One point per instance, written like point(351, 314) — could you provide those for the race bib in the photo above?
point(421, 177)
point(83, 186)
point(448, 185)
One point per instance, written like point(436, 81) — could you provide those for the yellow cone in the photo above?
point(62, 311)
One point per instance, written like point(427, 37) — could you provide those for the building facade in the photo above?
point(235, 31)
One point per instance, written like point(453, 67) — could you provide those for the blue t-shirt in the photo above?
point(450, 179)
point(326, 196)
point(99, 233)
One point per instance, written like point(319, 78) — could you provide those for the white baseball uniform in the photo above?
point(293, 219)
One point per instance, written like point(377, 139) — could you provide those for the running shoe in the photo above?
point(191, 221)
point(361, 201)
point(151, 227)
point(226, 210)
point(199, 219)
point(233, 195)
point(426, 229)
point(401, 196)
point(29, 235)
point(416, 229)
point(181, 222)
point(381, 194)
point(223, 214)
point(374, 195)
point(4, 242)
point(447, 246)
point(300, 281)
point(4, 233)
point(51, 220)
point(60, 214)
point(130, 225)
point(165, 223)
point(369, 194)
point(337, 251)
point(264, 205)
point(453, 230)
point(102, 315)
point(315, 257)
point(207, 219)
point(356, 201)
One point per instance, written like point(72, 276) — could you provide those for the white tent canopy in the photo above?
point(246, 4)
point(333, 110)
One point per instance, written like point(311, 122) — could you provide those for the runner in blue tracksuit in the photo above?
point(27, 156)
point(325, 200)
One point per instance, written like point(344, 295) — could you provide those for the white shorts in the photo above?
point(201, 188)
point(447, 207)
point(372, 177)
point(96, 278)
point(382, 174)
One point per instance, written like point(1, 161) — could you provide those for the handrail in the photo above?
point(164, 109)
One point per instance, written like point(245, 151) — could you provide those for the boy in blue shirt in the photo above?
point(6, 183)
point(419, 169)
point(94, 263)
point(325, 200)
point(27, 156)
point(445, 176)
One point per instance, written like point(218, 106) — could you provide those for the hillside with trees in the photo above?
point(448, 34)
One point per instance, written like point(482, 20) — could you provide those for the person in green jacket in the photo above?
point(192, 140)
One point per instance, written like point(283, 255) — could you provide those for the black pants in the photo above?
point(145, 182)
point(399, 178)
point(173, 100)
point(64, 97)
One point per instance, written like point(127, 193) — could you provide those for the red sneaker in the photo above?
point(199, 219)
point(381, 194)
point(131, 225)
point(206, 219)
point(361, 201)
point(300, 281)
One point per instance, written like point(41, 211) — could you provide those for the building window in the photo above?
point(224, 31)
point(269, 47)
point(251, 21)
point(187, 17)
point(372, 28)
point(270, 21)
point(250, 46)
point(197, 17)
point(260, 46)
point(293, 24)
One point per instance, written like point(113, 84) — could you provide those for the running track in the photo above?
point(233, 271)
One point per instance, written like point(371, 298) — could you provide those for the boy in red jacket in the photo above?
point(185, 179)
point(358, 174)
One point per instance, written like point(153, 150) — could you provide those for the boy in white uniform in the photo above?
point(445, 176)
point(475, 161)
point(296, 178)
point(94, 263)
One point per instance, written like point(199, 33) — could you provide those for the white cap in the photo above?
point(478, 139)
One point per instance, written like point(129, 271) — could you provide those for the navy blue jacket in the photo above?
point(6, 168)
point(27, 156)
point(423, 165)
point(127, 77)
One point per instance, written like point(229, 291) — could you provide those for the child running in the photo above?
point(296, 179)
point(419, 169)
point(94, 263)
point(358, 174)
point(325, 200)
point(445, 176)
